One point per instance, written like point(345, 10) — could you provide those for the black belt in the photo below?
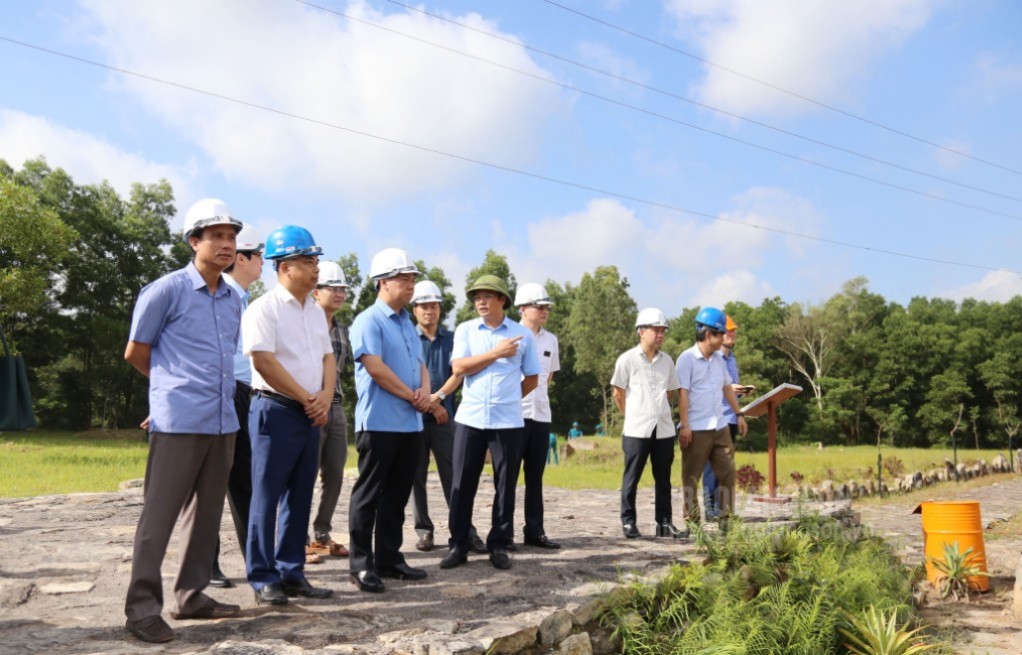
point(279, 398)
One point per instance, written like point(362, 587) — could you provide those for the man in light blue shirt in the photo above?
point(498, 359)
point(184, 332)
point(393, 389)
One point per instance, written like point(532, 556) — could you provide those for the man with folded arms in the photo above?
point(184, 332)
point(293, 374)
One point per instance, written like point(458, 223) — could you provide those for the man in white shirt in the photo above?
point(644, 382)
point(534, 304)
point(704, 436)
point(293, 376)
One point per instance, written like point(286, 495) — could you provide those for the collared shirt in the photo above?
point(732, 368)
point(646, 383)
point(389, 335)
point(295, 332)
point(342, 351)
point(437, 354)
point(193, 336)
point(492, 398)
point(704, 378)
point(536, 405)
point(242, 364)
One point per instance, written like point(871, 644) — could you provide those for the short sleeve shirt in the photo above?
point(492, 398)
point(732, 368)
point(389, 335)
point(704, 378)
point(295, 332)
point(536, 405)
point(646, 383)
point(193, 336)
point(242, 364)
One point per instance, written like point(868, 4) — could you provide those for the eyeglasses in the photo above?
point(715, 333)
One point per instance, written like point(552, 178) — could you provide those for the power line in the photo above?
point(663, 92)
point(775, 87)
point(620, 103)
point(493, 166)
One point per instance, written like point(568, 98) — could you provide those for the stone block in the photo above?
point(555, 627)
point(499, 638)
point(579, 644)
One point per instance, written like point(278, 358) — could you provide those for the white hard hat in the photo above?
point(250, 239)
point(331, 275)
point(390, 262)
point(427, 291)
point(207, 212)
point(532, 293)
point(651, 317)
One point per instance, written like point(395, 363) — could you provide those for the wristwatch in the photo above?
point(441, 395)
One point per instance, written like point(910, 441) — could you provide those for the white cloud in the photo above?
point(322, 66)
point(994, 77)
point(681, 261)
point(87, 158)
point(995, 286)
point(817, 48)
point(948, 160)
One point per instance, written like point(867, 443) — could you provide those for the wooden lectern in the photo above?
point(767, 404)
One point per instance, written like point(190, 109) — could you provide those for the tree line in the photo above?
point(74, 257)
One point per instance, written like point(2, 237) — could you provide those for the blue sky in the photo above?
point(949, 73)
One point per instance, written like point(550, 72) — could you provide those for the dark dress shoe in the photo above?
point(152, 629)
point(542, 542)
point(425, 543)
point(453, 559)
point(667, 529)
point(271, 594)
point(401, 572)
point(367, 581)
point(511, 547)
point(211, 610)
point(631, 532)
point(478, 545)
point(301, 587)
point(500, 559)
point(219, 580)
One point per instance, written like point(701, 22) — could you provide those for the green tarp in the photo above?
point(15, 399)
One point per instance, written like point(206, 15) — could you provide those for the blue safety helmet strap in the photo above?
point(712, 318)
point(291, 241)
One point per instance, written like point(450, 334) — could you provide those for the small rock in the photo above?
point(555, 627)
point(55, 588)
point(579, 644)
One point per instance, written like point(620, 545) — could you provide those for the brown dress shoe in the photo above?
point(152, 629)
point(425, 543)
point(211, 609)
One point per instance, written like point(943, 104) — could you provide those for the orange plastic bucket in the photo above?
point(947, 522)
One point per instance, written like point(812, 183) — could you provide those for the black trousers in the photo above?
point(470, 446)
point(535, 445)
point(661, 454)
point(386, 467)
point(239, 484)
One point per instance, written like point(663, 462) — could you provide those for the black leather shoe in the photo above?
point(511, 547)
point(667, 529)
point(271, 594)
point(367, 581)
point(631, 532)
point(301, 587)
point(454, 559)
point(425, 543)
point(401, 572)
point(219, 580)
point(478, 545)
point(542, 541)
point(500, 559)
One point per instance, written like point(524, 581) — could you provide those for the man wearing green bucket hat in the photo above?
point(497, 358)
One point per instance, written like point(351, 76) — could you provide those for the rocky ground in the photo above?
point(65, 560)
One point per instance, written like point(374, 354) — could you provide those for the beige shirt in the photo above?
point(646, 384)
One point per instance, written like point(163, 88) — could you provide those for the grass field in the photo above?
point(39, 462)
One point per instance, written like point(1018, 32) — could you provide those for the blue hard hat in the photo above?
point(290, 241)
point(712, 318)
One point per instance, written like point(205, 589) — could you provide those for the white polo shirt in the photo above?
point(646, 384)
point(294, 332)
point(536, 405)
point(704, 378)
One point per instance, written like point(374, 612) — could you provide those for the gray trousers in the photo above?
point(440, 440)
point(333, 454)
point(186, 476)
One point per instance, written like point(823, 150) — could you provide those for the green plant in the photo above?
point(749, 479)
point(956, 572)
point(877, 633)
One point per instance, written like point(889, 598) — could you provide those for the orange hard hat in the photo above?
point(731, 325)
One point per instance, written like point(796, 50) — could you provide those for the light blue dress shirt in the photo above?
point(193, 336)
point(389, 335)
point(242, 364)
point(492, 398)
point(732, 369)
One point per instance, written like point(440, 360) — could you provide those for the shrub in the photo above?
point(956, 572)
point(894, 467)
point(749, 479)
point(877, 633)
point(797, 477)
